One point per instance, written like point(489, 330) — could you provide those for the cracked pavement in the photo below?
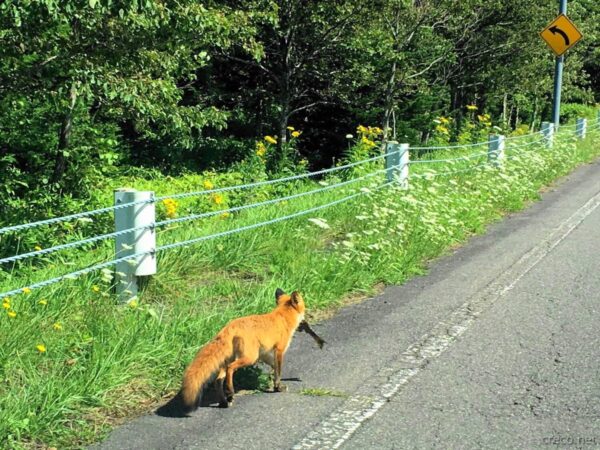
point(516, 370)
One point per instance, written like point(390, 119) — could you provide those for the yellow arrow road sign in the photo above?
point(561, 35)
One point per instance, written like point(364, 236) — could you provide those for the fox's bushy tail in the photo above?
point(208, 360)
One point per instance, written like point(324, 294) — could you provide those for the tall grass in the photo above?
point(104, 361)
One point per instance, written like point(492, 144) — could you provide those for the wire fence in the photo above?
point(461, 164)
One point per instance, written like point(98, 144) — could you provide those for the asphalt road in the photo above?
point(496, 347)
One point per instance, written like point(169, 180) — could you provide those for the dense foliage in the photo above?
point(91, 87)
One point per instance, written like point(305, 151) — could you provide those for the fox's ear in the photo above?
point(278, 293)
point(295, 296)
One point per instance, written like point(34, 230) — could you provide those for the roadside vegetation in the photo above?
point(76, 361)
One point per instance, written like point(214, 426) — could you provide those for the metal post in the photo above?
point(141, 216)
point(548, 133)
point(496, 150)
point(558, 73)
point(580, 128)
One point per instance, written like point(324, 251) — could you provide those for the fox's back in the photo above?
point(263, 330)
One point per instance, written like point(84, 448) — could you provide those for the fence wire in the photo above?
point(592, 126)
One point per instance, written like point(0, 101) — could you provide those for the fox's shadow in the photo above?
point(246, 379)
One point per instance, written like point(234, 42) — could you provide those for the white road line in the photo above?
point(342, 423)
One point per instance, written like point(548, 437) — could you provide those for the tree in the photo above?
point(78, 76)
point(303, 48)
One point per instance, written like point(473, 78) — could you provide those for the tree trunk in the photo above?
point(457, 105)
point(535, 113)
point(64, 138)
point(285, 80)
point(389, 104)
point(505, 110)
point(284, 117)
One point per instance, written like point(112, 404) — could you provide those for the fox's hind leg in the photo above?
point(218, 386)
point(237, 364)
point(243, 359)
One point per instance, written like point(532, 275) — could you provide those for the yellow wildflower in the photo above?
point(225, 215)
point(95, 288)
point(444, 120)
point(133, 304)
point(170, 207)
point(291, 128)
point(442, 129)
point(362, 129)
point(472, 107)
point(12, 314)
point(375, 130)
point(37, 248)
point(261, 150)
point(26, 290)
point(43, 302)
point(270, 139)
point(6, 303)
point(296, 133)
point(57, 326)
point(218, 199)
point(367, 141)
point(41, 348)
point(208, 185)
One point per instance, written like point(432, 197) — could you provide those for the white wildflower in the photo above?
point(321, 223)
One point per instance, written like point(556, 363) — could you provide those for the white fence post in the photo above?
point(392, 161)
point(580, 128)
point(141, 216)
point(496, 150)
point(396, 163)
point(548, 133)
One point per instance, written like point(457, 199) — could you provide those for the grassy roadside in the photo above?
point(103, 361)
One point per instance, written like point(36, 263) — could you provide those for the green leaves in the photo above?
point(133, 64)
point(163, 78)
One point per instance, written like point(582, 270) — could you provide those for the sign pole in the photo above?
point(558, 72)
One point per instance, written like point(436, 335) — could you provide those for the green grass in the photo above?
point(321, 392)
point(110, 361)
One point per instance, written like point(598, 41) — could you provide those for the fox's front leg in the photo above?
point(278, 386)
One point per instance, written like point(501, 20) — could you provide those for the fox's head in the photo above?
point(295, 300)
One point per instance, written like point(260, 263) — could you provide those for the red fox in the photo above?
point(243, 342)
